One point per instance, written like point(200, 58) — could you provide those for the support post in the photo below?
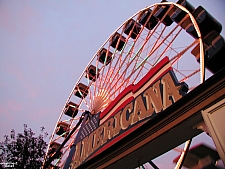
point(73, 147)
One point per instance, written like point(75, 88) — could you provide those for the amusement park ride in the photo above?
point(160, 74)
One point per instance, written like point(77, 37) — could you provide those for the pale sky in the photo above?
point(46, 45)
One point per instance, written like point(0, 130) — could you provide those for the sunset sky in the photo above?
point(44, 47)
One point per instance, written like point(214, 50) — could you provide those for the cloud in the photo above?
point(18, 17)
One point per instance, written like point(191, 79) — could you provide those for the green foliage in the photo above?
point(23, 150)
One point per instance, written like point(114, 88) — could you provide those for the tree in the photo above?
point(23, 150)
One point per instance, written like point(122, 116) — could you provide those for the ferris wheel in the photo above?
point(162, 30)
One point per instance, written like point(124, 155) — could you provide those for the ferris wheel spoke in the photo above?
point(128, 53)
point(102, 71)
point(123, 74)
point(114, 76)
point(121, 63)
point(157, 41)
point(167, 47)
point(117, 88)
point(177, 57)
point(105, 62)
point(90, 94)
point(86, 102)
point(139, 71)
point(161, 32)
point(95, 83)
point(117, 79)
point(125, 80)
point(155, 48)
point(137, 55)
point(190, 75)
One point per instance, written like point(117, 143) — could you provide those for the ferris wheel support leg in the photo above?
point(73, 147)
point(183, 154)
point(48, 162)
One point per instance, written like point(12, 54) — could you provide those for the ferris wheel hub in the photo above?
point(100, 102)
